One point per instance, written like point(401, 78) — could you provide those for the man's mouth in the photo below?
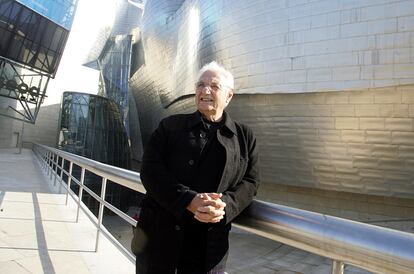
point(206, 99)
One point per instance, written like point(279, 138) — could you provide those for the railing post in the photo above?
point(48, 162)
point(52, 161)
point(101, 211)
point(337, 267)
point(80, 192)
point(49, 165)
point(56, 169)
point(43, 157)
point(69, 181)
point(61, 174)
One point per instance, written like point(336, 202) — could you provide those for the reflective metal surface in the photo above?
point(275, 46)
point(114, 66)
point(356, 138)
point(373, 248)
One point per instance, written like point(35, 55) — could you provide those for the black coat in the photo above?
point(160, 227)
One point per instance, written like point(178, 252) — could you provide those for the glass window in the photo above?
point(4, 41)
point(15, 47)
point(13, 12)
point(27, 27)
point(54, 45)
point(24, 22)
point(89, 134)
point(40, 28)
point(5, 7)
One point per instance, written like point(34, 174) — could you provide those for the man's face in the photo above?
point(211, 96)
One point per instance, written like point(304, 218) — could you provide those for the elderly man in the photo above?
point(200, 171)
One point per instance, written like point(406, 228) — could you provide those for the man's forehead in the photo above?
point(211, 76)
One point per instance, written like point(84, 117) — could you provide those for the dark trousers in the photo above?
point(192, 259)
point(142, 268)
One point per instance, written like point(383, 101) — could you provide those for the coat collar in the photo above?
point(229, 125)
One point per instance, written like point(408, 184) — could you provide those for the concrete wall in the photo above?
point(46, 128)
point(6, 124)
point(43, 132)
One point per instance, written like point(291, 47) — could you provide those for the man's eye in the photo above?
point(200, 85)
point(215, 87)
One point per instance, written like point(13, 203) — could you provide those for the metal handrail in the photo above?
point(370, 247)
point(373, 248)
point(49, 158)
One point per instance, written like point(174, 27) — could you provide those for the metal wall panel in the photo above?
point(286, 56)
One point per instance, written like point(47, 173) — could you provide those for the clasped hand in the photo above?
point(208, 207)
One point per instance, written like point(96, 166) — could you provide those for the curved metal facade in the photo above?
point(285, 54)
point(277, 46)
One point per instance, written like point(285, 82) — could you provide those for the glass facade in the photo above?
point(28, 38)
point(114, 65)
point(59, 11)
point(111, 54)
point(91, 126)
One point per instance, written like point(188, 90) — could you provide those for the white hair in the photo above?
point(226, 75)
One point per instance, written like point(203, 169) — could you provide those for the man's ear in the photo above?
point(229, 96)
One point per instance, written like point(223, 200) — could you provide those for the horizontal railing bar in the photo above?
point(115, 210)
point(93, 194)
point(94, 220)
point(126, 178)
point(76, 180)
point(121, 214)
point(367, 246)
point(109, 206)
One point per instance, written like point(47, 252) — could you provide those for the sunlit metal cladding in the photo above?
point(370, 247)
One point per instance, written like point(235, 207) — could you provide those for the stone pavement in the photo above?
point(38, 232)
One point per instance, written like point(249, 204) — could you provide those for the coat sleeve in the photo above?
point(159, 183)
point(241, 194)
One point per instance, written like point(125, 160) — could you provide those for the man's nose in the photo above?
point(207, 89)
